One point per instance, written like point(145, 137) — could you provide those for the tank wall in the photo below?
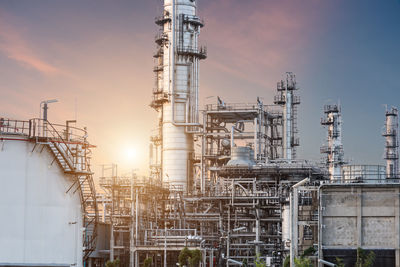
point(41, 224)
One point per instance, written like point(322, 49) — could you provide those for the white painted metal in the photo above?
point(391, 148)
point(288, 122)
point(41, 224)
point(334, 149)
point(241, 156)
point(294, 230)
point(370, 174)
point(286, 226)
point(289, 101)
point(180, 82)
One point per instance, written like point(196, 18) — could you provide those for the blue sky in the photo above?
point(96, 58)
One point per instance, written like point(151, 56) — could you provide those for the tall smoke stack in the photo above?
point(391, 149)
point(176, 93)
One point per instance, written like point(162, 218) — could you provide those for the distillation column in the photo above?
point(175, 96)
point(289, 101)
point(391, 148)
point(334, 148)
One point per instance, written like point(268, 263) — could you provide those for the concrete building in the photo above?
point(363, 216)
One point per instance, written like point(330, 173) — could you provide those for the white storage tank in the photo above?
point(41, 224)
point(241, 156)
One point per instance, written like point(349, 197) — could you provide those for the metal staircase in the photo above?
point(59, 156)
point(72, 153)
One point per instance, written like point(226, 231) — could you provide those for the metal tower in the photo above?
point(392, 144)
point(175, 96)
point(334, 148)
point(289, 101)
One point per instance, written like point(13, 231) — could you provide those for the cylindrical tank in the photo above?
point(41, 224)
point(241, 156)
point(179, 80)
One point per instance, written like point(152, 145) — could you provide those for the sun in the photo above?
point(130, 153)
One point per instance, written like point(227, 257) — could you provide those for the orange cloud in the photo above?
point(14, 46)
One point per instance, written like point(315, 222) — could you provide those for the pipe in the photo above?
point(172, 73)
point(256, 141)
point(302, 182)
point(234, 262)
point(326, 263)
point(232, 138)
point(293, 219)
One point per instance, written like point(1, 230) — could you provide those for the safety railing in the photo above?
point(232, 106)
point(200, 52)
point(389, 132)
point(331, 108)
point(194, 20)
point(62, 136)
point(17, 127)
point(160, 20)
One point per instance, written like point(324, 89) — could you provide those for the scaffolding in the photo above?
point(392, 143)
point(334, 148)
point(289, 101)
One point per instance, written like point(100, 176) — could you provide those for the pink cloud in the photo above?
point(14, 46)
point(257, 38)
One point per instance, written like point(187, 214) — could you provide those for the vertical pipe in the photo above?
point(112, 213)
point(172, 59)
point(288, 124)
point(137, 218)
point(232, 138)
point(291, 230)
point(257, 231)
point(212, 258)
point(256, 148)
point(295, 218)
point(165, 244)
point(228, 241)
point(203, 150)
point(132, 241)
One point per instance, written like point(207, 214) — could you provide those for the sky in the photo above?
point(95, 57)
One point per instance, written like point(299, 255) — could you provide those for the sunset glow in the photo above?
point(98, 62)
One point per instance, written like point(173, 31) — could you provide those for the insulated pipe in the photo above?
point(293, 219)
point(302, 182)
point(326, 263)
point(288, 124)
point(234, 262)
point(256, 148)
point(232, 138)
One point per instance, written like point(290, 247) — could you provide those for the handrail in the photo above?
point(14, 127)
point(66, 148)
point(91, 242)
point(22, 127)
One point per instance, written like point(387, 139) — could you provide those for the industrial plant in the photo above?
point(225, 184)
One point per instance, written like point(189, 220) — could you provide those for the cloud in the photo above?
point(259, 39)
point(15, 47)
